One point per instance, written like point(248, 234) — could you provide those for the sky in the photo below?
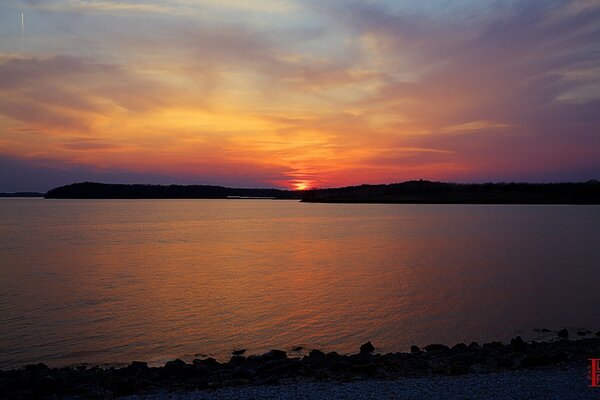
point(298, 93)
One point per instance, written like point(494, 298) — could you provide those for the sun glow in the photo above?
point(302, 185)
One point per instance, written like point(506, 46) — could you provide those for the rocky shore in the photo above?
point(275, 367)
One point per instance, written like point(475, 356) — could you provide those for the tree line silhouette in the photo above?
point(92, 190)
point(420, 191)
point(456, 193)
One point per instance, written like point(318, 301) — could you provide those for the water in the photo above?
point(110, 281)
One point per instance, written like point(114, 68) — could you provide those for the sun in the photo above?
point(301, 185)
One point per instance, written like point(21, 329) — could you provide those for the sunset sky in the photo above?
point(298, 93)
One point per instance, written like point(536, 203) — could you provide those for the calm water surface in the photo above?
point(110, 281)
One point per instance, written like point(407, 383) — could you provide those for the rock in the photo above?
point(539, 360)
point(269, 356)
point(459, 347)
point(207, 362)
point(415, 349)
point(436, 347)
point(337, 363)
point(36, 367)
point(243, 373)
point(138, 365)
point(367, 348)
point(238, 352)
point(125, 387)
point(517, 344)
point(437, 367)
point(44, 386)
point(505, 362)
point(269, 380)
point(175, 364)
point(366, 368)
point(492, 346)
point(474, 346)
point(275, 355)
point(278, 367)
point(458, 369)
point(563, 333)
point(201, 371)
point(316, 354)
point(297, 348)
point(237, 360)
point(477, 368)
point(315, 359)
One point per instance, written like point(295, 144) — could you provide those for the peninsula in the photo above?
point(426, 192)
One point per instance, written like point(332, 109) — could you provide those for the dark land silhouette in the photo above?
point(426, 192)
point(90, 190)
point(22, 194)
point(415, 192)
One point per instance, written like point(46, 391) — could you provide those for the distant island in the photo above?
point(415, 192)
point(21, 194)
point(92, 190)
point(426, 192)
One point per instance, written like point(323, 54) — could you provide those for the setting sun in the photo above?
point(301, 185)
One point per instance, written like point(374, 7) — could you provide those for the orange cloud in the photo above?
point(325, 94)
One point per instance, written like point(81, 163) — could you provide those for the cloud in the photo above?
point(507, 74)
point(86, 144)
point(78, 6)
point(473, 127)
point(70, 93)
point(321, 92)
point(42, 174)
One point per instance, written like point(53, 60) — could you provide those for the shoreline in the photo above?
point(277, 368)
point(564, 383)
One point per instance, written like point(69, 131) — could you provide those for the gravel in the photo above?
point(546, 384)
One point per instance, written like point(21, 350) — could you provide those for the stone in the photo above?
point(138, 365)
point(458, 369)
point(505, 362)
point(517, 344)
point(415, 349)
point(367, 348)
point(316, 354)
point(238, 352)
point(436, 347)
point(492, 346)
point(539, 360)
point(44, 386)
point(125, 387)
point(207, 362)
point(237, 360)
point(275, 355)
point(563, 333)
point(460, 347)
point(36, 367)
point(175, 364)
